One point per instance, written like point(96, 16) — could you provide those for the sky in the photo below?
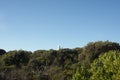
point(45, 24)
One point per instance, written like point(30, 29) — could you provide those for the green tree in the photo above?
point(66, 57)
point(2, 51)
point(106, 67)
point(37, 64)
point(94, 49)
point(81, 74)
point(17, 58)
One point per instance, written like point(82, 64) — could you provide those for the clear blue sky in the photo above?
point(45, 24)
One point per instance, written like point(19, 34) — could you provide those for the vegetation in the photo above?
point(96, 61)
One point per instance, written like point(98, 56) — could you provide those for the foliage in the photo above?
point(17, 58)
point(66, 57)
point(2, 51)
point(37, 64)
point(92, 62)
point(106, 67)
point(94, 49)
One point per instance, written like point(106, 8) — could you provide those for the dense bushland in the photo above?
point(96, 61)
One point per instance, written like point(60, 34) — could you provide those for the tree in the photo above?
point(66, 57)
point(37, 64)
point(2, 51)
point(106, 67)
point(17, 58)
point(81, 74)
point(94, 49)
